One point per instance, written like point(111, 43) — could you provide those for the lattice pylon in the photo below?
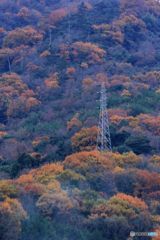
point(103, 138)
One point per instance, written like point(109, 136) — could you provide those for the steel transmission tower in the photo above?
point(103, 138)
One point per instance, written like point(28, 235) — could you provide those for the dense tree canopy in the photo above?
point(54, 55)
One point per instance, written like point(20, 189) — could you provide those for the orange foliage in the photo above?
point(140, 123)
point(118, 112)
point(13, 205)
point(41, 180)
point(120, 205)
point(92, 52)
point(19, 97)
point(2, 30)
point(31, 102)
point(70, 70)
point(3, 134)
point(52, 81)
point(85, 160)
point(85, 139)
point(74, 122)
point(116, 115)
point(26, 36)
point(45, 54)
point(151, 123)
point(130, 20)
point(157, 230)
point(87, 83)
point(58, 15)
point(109, 32)
point(152, 78)
point(35, 189)
point(25, 179)
point(122, 80)
point(147, 181)
point(47, 173)
point(54, 186)
point(102, 78)
point(124, 159)
point(11, 215)
point(64, 51)
point(133, 201)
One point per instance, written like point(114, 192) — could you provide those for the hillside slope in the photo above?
point(54, 55)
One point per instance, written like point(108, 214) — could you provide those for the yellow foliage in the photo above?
point(155, 160)
point(47, 173)
point(7, 189)
point(118, 170)
point(85, 139)
point(121, 160)
point(53, 186)
point(120, 205)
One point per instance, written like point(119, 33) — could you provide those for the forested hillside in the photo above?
point(54, 56)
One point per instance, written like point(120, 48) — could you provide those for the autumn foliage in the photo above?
point(85, 139)
point(54, 56)
point(52, 81)
point(27, 36)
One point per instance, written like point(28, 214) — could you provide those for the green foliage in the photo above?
point(69, 177)
point(7, 189)
point(38, 227)
point(139, 144)
point(25, 161)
